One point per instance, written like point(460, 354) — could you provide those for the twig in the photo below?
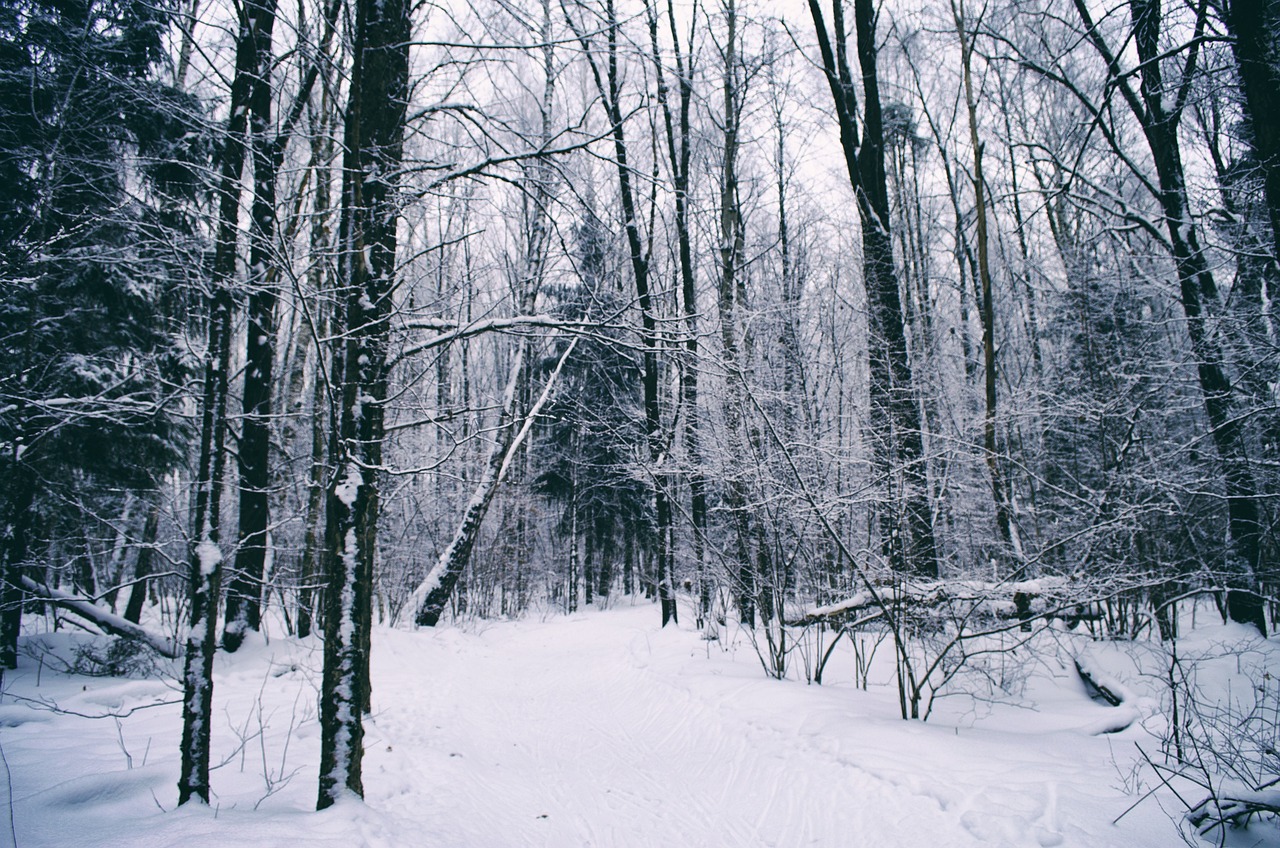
point(8, 782)
point(50, 706)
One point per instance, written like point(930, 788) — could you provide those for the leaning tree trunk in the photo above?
point(430, 597)
point(378, 96)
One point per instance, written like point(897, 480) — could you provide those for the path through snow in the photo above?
point(595, 730)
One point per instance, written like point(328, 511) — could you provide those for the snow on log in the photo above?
point(107, 621)
point(1105, 688)
point(1233, 808)
point(1099, 684)
point(1024, 600)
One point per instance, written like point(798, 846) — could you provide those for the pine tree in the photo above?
point(96, 160)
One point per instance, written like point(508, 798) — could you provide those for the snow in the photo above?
point(209, 555)
point(597, 729)
point(348, 487)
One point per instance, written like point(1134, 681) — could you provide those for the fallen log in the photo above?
point(1098, 685)
point(1023, 601)
point(106, 621)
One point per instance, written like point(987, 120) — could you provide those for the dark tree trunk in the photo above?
point(608, 86)
point(679, 152)
point(605, 546)
point(321, 154)
point(379, 91)
point(986, 307)
point(206, 558)
point(14, 546)
point(1255, 26)
point(244, 592)
point(589, 563)
point(1195, 283)
point(629, 560)
point(895, 416)
point(142, 567)
point(310, 570)
point(731, 303)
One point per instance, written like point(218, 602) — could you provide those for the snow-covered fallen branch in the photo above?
point(1233, 808)
point(1024, 600)
point(1103, 687)
point(1099, 684)
point(106, 621)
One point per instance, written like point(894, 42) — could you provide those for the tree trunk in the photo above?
point(1255, 28)
point(206, 558)
point(378, 97)
point(142, 567)
point(244, 592)
point(14, 545)
point(678, 151)
point(897, 439)
point(429, 599)
point(987, 306)
point(610, 93)
point(1195, 282)
point(605, 546)
point(731, 303)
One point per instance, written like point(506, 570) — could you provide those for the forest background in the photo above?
point(943, 319)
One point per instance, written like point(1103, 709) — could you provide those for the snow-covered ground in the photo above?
point(598, 729)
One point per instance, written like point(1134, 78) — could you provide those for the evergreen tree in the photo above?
point(97, 166)
point(594, 433)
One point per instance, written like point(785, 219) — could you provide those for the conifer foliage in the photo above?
point(97, 164)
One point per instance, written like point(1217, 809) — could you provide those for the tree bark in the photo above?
point(374, 136)
point(206, 558)
point(987, 306)
point(244, 592)
point(1255, 28)
point(429, 599)
point(1159, 116)
point(610, 93)
point(897, 439)
point(142, 566)
point(678, 152)
point(14, 545)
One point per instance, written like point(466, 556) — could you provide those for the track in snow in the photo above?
point(595, 730)
point(601, 731)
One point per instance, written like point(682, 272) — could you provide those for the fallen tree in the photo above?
point(1023, 601)
point(106, 621)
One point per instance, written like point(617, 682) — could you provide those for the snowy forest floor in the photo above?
point(598, 729)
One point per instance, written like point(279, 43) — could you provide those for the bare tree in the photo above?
point(374, 138)
point(896, 426)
